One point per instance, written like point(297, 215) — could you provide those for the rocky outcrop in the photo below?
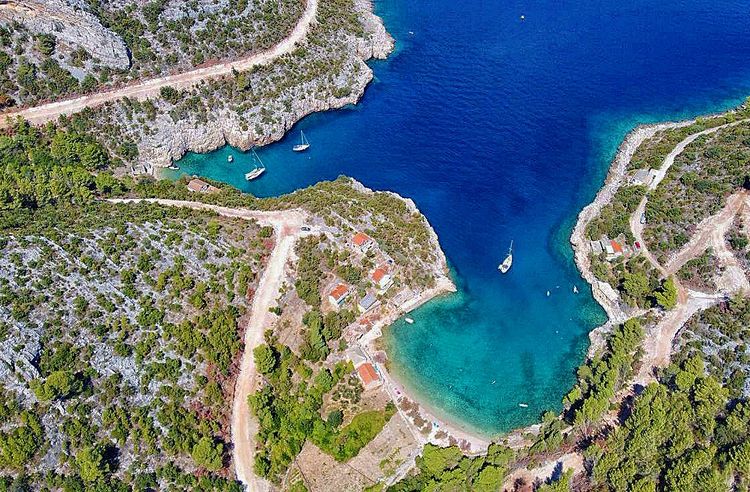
point(380, 43)
point(71, 26)
point(604, 294)
point(172, 139)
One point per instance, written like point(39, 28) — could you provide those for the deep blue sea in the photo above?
point(501, 128)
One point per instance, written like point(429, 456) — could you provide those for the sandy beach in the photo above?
point(442, 430)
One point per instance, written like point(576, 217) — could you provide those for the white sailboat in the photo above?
point(508, 261)
point(258, 170)
point(303, 145)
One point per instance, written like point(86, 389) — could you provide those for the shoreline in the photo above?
point(602, 292)
point(471, 441)
point(163, 149)
point(455, 433)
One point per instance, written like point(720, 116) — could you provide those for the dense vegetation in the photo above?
point(288, 411)
point(681, 434)
point(120, 322)
point(696, 186)
point(613, 220)
point(47, 166)
point(603, 375)
point(161, 36)
point(448, 469)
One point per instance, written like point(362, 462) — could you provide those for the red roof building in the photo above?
point(378, 274)
point(360, 238)
point(338, 294)
point(381, 278)
point(369, 376)
point(362, 241)
point(616, 246)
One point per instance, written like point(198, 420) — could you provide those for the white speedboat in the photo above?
point(508, 261)
point(303, 145)
point(523, 405)
point(174, 167)
point(409, 320)
point(258, 170)
point(230, 158)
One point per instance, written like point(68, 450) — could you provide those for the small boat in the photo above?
point(230, 158)
point(258, 170)
point(575, 290)
point(508, 261)
point(174, 167)
point(409, 320)
point(523, 405)
point(523, 17)
point(547, 293)
point(303, 145)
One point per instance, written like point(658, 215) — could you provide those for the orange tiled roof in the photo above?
point(367, 373)
point(616, 246)
point(360, 238)
point(339, 291)
point(378, 274)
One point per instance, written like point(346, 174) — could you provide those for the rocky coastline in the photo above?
point(446, 432)
point(173, 140)
point(604, 294)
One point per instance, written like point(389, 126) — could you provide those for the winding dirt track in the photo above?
point(149, 88)
point(658, 343)
point(287, 226)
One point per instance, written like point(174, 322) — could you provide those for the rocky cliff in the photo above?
point(71, 26)
point(171, 137)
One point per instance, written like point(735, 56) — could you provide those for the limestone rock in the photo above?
point(71, 26)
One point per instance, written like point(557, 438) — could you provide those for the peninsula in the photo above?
point(182, 335)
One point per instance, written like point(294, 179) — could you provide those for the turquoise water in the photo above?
point(501, 129)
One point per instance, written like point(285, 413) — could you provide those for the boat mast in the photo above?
point(258, 159)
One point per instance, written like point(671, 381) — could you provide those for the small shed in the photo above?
point(368, 302)
point(641, 177)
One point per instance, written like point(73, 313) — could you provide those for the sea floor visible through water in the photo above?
point(502, 129)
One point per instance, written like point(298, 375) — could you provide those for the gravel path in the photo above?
point(287, 226)
point(149, 88)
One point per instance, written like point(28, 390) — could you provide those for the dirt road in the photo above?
point(709, 233)
point(635, 220)
point(287, 226)
point(150, 88)
point(658, 341)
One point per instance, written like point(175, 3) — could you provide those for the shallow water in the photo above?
point(502, 129)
